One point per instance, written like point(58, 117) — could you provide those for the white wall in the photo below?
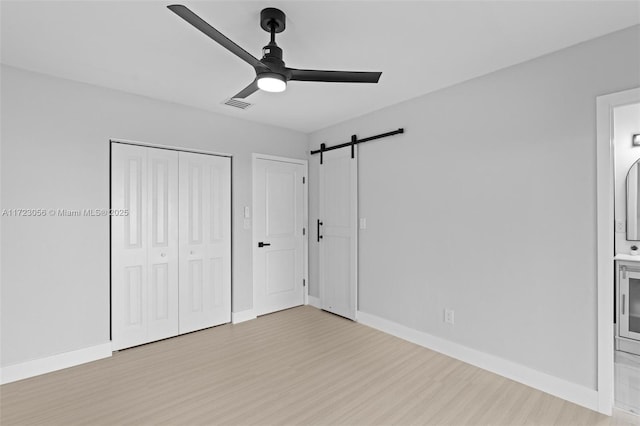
point(626, 123)
point(55, 154)
point(487, 205)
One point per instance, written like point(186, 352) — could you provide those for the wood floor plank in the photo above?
point(299, 366)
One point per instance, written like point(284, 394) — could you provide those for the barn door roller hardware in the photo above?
point(354, 141)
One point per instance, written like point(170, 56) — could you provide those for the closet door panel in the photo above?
point(218, 293)
point(129, 246)
point(205, 241)
point(162, 244)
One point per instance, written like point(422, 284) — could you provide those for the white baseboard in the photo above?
point(12, 373)
point(313, 301)
point(550, 384)
point(242, 316)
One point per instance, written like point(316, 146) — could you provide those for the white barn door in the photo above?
point(278, 239)
point(338, 232)
point(205, 241)
point(144, 245)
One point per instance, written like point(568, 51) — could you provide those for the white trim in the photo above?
point(305, 242)
point(12, 373)
point(605, 235)
point(175, 148)
point(536, 379)
point(242, 316)
point(305, 219)
point(313, 301)
point(256, 156)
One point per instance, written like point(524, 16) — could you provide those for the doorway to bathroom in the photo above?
point(618, 154)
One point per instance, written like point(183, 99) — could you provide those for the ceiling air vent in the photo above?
point(236, 103)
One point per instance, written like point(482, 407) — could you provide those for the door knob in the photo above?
point(192, 252)
point(163, 254)
point(261, 244)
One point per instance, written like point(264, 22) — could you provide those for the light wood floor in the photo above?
point(300, 366)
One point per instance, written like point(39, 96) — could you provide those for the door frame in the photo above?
point(305, 220)
point(111, 141)
point(605, 106)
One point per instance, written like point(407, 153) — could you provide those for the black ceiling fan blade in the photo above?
point(186, 14)
point(247, 90)
point(335, 76)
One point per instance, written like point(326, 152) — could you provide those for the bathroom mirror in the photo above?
point(633, 203)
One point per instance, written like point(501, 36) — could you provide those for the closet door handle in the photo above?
point(319, 235)
point(261, 244)
point(624, 301)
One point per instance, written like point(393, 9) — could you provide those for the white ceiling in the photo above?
point(420, 46)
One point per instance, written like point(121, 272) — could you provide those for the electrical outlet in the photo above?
point(448, 316)
point(620, 226)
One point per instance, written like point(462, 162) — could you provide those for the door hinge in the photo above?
point(304, 231)
point(304, 180)
point(304, 283)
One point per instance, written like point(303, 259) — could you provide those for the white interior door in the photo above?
point(338, 232)
point(205, 241)
point(144, 247)
point(278, 234)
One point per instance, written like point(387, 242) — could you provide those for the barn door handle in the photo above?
point(319, 225)
point(261, 244)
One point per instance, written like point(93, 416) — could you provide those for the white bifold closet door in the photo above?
point(205, 241)
point(170, 256)
point(144, 245)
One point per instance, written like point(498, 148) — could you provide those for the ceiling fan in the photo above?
point(271, 73)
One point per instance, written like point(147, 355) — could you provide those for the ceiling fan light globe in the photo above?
point(272, 83)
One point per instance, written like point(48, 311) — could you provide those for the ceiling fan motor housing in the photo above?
point(272, 58)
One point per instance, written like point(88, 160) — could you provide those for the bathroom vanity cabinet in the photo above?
point(628, 305)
